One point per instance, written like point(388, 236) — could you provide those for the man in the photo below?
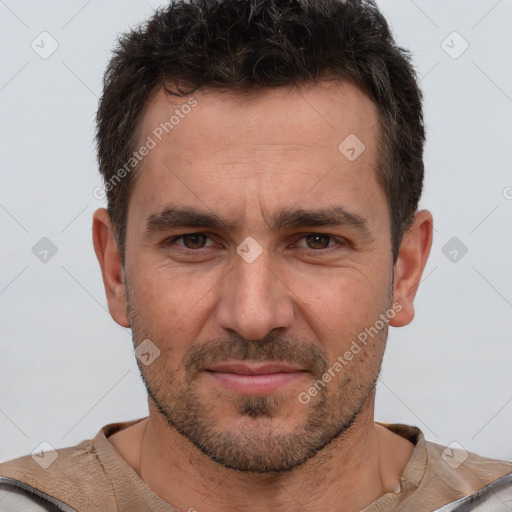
point(263, 166)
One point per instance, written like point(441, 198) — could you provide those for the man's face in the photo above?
point(247, 325)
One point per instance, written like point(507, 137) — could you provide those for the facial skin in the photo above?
point(258, 161)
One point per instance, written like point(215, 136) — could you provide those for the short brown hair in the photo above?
point(241, 44)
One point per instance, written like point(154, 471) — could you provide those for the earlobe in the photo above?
point(412, 258)
point(112, 270)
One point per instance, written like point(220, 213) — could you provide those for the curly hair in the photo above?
point(237, 45)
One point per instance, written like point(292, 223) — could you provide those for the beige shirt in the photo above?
point(92, 476)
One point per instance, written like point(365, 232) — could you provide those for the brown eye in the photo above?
point(194, 241)
point(189, 241)
point(318, 241)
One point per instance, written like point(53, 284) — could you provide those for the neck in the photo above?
point(354, 470)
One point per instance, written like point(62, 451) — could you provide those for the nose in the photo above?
point(254, 299)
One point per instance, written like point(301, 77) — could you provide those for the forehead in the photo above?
point(311, 111)
point(272, 145)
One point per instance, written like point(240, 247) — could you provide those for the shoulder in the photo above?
point(454, 464)
point(79, 477)
point(472, 482)
point(16, 496)
point(66, 475)
point(51, 463)
point(450, 478)
point(495, 497)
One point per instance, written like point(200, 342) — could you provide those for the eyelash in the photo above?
point(340, 242)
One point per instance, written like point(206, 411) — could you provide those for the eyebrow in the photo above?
point(180, 217)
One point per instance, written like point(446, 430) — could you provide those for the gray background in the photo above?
point(67, 369)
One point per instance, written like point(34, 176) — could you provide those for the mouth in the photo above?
point(254, 377)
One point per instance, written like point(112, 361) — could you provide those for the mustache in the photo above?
point(274, 348)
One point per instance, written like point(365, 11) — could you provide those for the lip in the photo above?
point(254, 378)
point(254, 367)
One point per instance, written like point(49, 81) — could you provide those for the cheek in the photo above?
point(171, 306)
point(345, 301)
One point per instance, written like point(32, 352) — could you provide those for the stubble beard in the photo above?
point(258, 441)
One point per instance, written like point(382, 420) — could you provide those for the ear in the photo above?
point(412, 258)
point(112, 271)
